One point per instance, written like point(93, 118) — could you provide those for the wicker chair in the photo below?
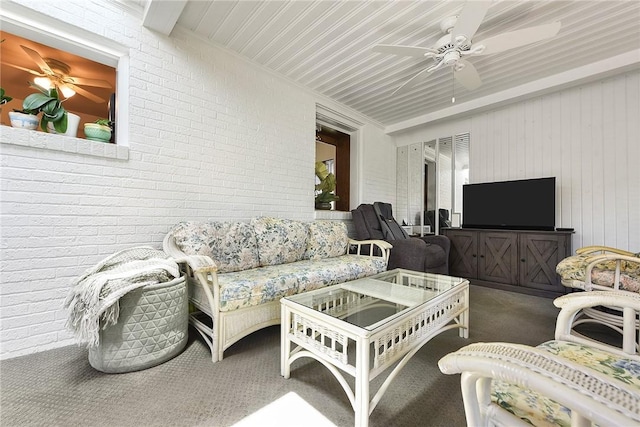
point(601, 268)
point(571, 380)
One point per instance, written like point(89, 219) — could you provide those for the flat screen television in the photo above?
point(527, 204)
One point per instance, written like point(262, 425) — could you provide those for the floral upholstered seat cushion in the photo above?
point(542, 411)
point(280, 241)
point(327, 239)
point(573, 270)
point(231, 245)
point(261, 285)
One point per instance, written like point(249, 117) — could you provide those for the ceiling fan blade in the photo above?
point(470, 19)
point(468, 76)
point(87, 82)
point(86, 94)
point(28, 70)
point(35, 56)
point(403, 50)
point(518, 38)
point(409, 83)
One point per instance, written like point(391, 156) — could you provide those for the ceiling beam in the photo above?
point(162, 15)
point(581, 75)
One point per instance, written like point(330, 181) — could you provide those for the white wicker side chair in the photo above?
point(570, 381)
point(601, 268)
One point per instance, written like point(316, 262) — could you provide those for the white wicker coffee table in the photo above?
point(361, 328)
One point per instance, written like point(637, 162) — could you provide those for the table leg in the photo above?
point(285, 342)
point(362, 383)
point(464, 317)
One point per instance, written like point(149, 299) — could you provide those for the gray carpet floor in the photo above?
point(60, 388)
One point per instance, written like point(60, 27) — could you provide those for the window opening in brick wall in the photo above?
point(333, 149)
point(95, 67)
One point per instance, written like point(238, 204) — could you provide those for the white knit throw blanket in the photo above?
point(94, 296)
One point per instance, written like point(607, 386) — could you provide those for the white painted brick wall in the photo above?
point(211, 136)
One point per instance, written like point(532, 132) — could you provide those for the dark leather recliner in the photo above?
point(429, 253)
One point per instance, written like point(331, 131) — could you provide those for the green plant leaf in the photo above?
point(61, 125)
point(35, 101)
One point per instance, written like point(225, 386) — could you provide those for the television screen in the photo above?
point(528, 204)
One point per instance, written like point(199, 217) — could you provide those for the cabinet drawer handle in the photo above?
point(522, 260)
point(474, 255)
point(481, 256)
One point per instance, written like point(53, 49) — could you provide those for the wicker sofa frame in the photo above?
point(590, 395)
point(220, 329)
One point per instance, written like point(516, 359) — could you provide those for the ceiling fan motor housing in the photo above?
point(451, 57)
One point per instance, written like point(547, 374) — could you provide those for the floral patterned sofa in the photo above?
point(570, 381)
point(239, 271)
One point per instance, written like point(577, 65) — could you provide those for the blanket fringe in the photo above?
point(93, 301)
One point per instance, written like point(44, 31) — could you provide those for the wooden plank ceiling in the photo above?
point(326, 45)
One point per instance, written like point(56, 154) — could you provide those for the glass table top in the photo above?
point(375, 300)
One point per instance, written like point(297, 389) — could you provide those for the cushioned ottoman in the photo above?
point(151, 329)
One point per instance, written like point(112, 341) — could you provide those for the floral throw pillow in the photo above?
point(280, 241)
point(231, 245)
point(327, 239)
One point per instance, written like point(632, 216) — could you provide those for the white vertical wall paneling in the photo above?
point(586, 159)
point(590, 143)
point(587, 137)
point(519, 149)
point(504, 146)
point(553, 146)
point(633, 159)
point(575, 159)
point(563, 189)
point(609, 143)
point(597, 157)
point(622, 171)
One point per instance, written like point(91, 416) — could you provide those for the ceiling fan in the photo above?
point(450, 49)
point(57, 73)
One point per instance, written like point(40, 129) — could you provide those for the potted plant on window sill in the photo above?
point(325, 190)
point(24, 119)
point(100, 130)
point(55, 119)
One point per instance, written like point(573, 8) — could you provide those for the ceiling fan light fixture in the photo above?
point(67, 91)
point(43, 82)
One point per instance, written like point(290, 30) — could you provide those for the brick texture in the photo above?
point(211, 136)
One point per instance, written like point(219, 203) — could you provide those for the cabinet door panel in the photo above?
point(498, 261)
point(463, 255)
point(539, 256)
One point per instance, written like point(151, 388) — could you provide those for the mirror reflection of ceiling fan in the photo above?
point(450, 49)
point(56, 73)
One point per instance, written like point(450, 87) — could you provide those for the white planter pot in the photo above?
point(73, 121)
point(23, 121)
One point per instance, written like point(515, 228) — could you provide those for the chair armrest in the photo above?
point(598, 259)
point(383, 247)
point(200, 268)
point(601, 249)
point(571, 304)
point(442, 241)
point(590, 395)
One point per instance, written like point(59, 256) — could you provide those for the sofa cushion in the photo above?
point(280, 241)
point(231, 245)
point(261, 285)
point(327, 239)
point(542, 411)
